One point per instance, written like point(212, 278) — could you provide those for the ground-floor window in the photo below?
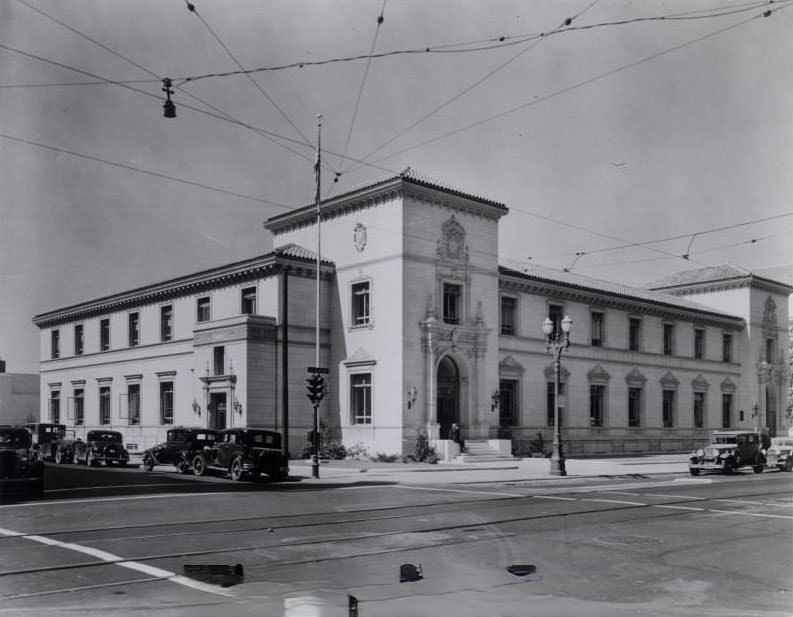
point(634, 407)
point(597, 401)
point(133, 403)
point(166, 402)
point(104, 404)
point(699, 409)
point(668, 409)
point(361, 398)
point(55, 406)
point(79, 407)
point(726, 410)
point(507, 403)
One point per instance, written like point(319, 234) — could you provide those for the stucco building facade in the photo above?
point(419, 327)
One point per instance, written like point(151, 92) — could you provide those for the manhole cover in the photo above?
point(627, 540)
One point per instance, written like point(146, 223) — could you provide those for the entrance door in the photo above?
point(448, 396)
point(507, 405)
point(217, 411)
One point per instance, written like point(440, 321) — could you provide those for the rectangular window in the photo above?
point(79, 340)
point(597, 329)
point(508, 306)
point(669, 339)
point(166, 402)
point(104, 404)
point(361, 398)
point(597, 401)
point(248, 301)
point(699, 343)
point(726, 347)
point(634, 334)
point(668, 410)
point(360, 304)
point(549, 393)
point(166, 323)
point(104, 334)
point(699, 409)
point(556, 314)
point(634, 407)
point(726, 410)
point(133, 403)
point(202, 309)
point(452, 296)
point(133, 323)
point(507, 403)
point(55, 344)
point(79, 407)
point(55, 406)
point(219, 360)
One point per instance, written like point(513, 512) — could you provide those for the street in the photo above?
point(118, 540)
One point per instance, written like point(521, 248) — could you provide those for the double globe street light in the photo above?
point(555, 341)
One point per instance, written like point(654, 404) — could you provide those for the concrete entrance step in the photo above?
point(481, 452)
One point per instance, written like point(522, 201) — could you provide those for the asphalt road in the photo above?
point(124, 542)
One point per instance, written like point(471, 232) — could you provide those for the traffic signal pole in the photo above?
point(316, 392)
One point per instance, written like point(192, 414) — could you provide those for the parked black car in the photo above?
point(46, 438)
point(101, 446)
point(180, 448)
point(727, 452)
point(244, 453)
point(21, 472)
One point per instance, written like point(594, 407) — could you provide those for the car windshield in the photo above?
point(103, 436)
point(15, 438)
point(784, 442)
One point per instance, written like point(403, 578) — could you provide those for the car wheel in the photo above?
point(694, 472)
point(789, 464)
point(235, 470)
point(727, 467)
point(59, 458)
point(148, 463)
point(37, 488)
point(181, 465)
point(199, 465)
point(758, 468)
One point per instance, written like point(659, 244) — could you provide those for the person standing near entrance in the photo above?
point(456, 437)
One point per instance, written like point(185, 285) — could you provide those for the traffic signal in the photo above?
point(316, 388)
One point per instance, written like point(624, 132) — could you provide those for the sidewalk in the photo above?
point(351, 471)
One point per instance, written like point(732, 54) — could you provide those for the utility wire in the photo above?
point(475, 84)
point(140, 170)
point(580, 84)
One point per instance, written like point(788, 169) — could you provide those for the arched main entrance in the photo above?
point(448, 395)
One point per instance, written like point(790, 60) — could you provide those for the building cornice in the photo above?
point(741, 282)
point(221, 276)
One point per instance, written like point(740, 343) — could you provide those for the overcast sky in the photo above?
point(595, 134)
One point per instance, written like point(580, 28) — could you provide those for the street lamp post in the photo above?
point(555, 342)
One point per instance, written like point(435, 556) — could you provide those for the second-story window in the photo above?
point(669, 339)
point(55, 344)
point(79, 340)
point(597, 329)
point(634, 334)
point(726, 347)
point(202, 309)
point(360, 303)
point(166, 322)
point(699, 343)
point(248, 301)
point(508, 305)
point(219, 360)
point(699, 409)
point(104, 334)
point(133, 328)
point(452, 303)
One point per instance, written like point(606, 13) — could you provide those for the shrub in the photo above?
point(358, 452)
point(382, 457)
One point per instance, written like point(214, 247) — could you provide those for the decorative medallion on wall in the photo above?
point(359, 237)
point(452, 242)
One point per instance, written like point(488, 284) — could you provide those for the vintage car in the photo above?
point(46, 438)
point(244, 453)
point(780, 454)
point(101, 446)
point(180, 447)
point(727, 452)
point(21, 472)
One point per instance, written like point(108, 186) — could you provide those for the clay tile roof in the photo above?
point(708, 274)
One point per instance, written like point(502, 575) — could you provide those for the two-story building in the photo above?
point(420, 328)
